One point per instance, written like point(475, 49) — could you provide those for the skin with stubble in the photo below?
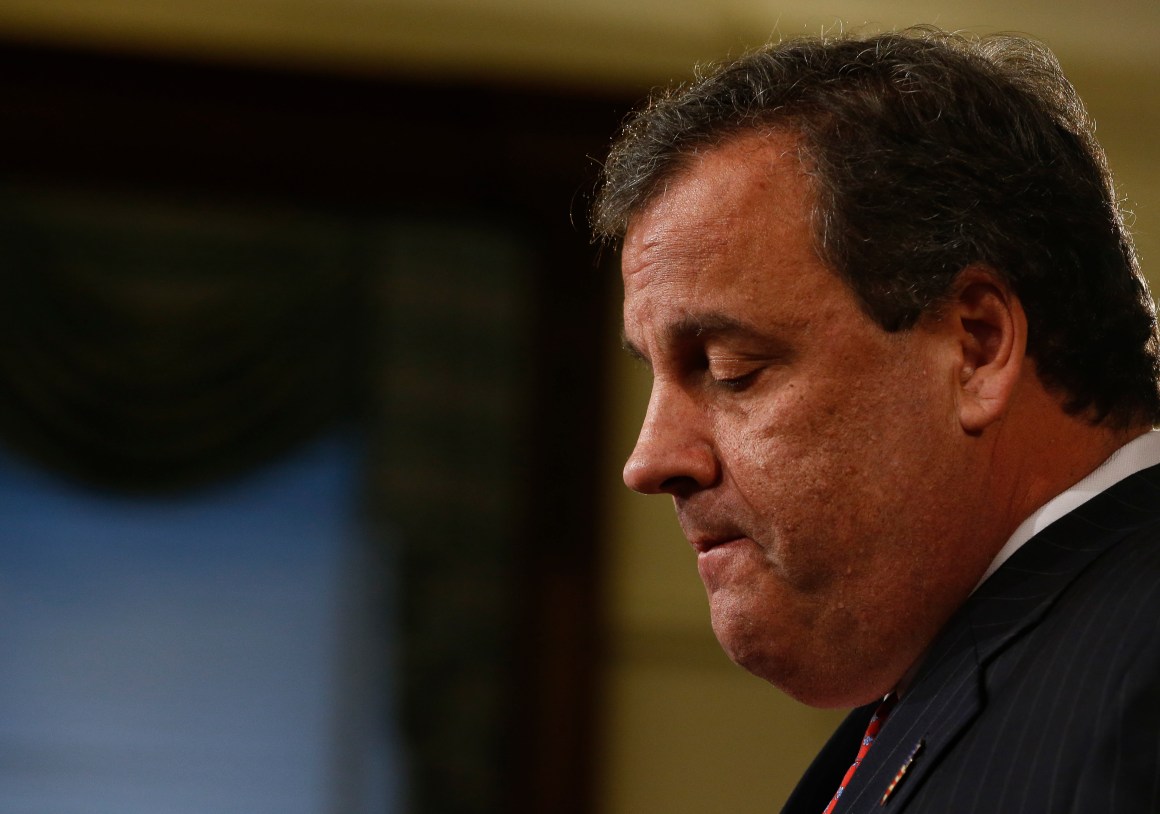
point(845, 487)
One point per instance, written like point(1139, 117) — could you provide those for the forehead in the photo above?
point(730, 235)
point(752, 179)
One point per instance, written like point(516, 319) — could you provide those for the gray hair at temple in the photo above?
point(930, 152)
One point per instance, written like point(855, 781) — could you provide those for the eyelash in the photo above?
point(736, 384)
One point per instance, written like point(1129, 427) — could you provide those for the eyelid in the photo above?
point(740, 361)
point(734, 372)
point(737, 383)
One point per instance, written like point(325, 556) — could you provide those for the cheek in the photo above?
point(803, 444)
point(791, 499)
point(814, 476)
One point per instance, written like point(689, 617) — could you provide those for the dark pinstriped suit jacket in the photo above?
point(1043, 692)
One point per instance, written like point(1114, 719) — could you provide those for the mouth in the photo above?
point(718, 559)
point(706, 531)
point(704, 545)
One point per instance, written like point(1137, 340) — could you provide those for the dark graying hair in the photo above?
point(930, 152)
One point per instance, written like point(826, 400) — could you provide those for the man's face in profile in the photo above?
point(808, 452)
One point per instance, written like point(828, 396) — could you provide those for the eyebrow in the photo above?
point(711, 324)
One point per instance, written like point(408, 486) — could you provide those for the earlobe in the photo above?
point(992, 340)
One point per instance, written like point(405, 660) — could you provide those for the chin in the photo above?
point(805, 675)
point(752, 647)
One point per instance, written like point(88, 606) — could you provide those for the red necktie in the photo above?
point(876, 722)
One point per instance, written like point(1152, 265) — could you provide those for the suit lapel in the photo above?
point(947, 693)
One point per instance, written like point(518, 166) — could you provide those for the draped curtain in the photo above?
point(150, 345)
point(158, 345)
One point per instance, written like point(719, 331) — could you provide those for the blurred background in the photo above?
point(312, 408)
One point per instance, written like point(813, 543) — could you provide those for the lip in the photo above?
point(717, 558)
point(704, 545)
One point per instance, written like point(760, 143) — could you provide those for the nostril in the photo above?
point(679, 468)
point(680, 486)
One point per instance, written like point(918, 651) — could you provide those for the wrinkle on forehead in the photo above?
point(697, 218)
point(663, 244)
point(715, 194)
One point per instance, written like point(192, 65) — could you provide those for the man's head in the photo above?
point(866, 307)
point(928, 153)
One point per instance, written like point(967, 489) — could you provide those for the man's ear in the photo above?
point(990, 331)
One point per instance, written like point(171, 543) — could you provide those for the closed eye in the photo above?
point(734, 373)
point(736, 384)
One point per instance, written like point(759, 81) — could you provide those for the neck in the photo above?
point(1038, 451)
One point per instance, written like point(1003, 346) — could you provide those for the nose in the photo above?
point(674, 453)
